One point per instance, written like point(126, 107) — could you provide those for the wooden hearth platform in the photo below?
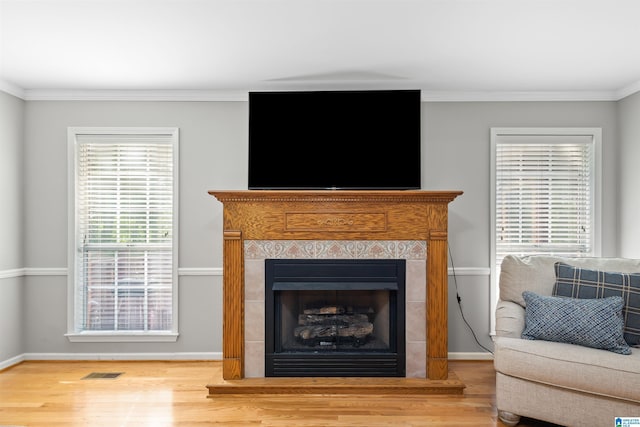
point(334, 385)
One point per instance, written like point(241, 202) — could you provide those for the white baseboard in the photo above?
point(124, 356)
point(4, 364)
point(470, 356)
point(111, 356)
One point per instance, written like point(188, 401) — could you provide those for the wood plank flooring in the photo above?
point(172, 393)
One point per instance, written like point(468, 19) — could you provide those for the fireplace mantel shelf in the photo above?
point(335, 215)
point(335, 195)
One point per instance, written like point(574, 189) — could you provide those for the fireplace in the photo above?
point(337, 317)
point(316, 219)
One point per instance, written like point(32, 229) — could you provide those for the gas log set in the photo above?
point(327, 326)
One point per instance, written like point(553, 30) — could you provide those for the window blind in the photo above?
point(124, 231)
point(544, 195)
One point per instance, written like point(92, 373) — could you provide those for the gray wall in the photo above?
point(456, 142)
point(11, 226)
point(629, 202)
point(213, 153)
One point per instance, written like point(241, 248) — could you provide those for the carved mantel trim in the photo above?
point(335, 215)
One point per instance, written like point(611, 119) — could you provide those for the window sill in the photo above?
point(95, 336)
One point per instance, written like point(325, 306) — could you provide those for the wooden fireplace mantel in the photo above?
point(335, 215)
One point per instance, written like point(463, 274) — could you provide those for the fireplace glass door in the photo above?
point(335, 318)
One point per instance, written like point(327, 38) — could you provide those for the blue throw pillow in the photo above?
point(584, 283)
point(595, 323)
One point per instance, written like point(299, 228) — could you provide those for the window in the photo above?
point(545, 194)
point(123, 234)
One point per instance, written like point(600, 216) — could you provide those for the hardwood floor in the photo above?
point(174, 393)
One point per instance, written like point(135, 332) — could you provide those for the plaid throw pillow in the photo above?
point(584, 283)
point(595, 323)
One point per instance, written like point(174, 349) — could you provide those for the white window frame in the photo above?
point(117, 336)
point(596, 138)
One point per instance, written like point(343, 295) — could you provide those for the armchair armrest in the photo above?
point(509, 319)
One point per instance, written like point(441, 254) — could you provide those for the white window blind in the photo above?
point(125, 232)
point(544, 195)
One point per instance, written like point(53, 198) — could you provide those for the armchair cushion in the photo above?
point(586, 283)
point(595, 323)
point(572, 367)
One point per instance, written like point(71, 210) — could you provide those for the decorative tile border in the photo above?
point(334, 249)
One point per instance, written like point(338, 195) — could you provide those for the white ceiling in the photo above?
point(451, 49)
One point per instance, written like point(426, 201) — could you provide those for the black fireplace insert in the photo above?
point(334, 318)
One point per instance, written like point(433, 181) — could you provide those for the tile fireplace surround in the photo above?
point(335, 224)
point(256, 251)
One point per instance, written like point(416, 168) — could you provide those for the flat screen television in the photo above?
point(365, 140)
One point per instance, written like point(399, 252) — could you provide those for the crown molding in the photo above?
point(12, 89)
point(137, 95)
point(628, 90)
point(242, 95)
point(516, 96)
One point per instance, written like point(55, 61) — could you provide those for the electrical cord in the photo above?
point(455, 281)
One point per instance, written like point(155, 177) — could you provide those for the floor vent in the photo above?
point(102, 375)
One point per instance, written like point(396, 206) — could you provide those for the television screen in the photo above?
point(334, 140)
